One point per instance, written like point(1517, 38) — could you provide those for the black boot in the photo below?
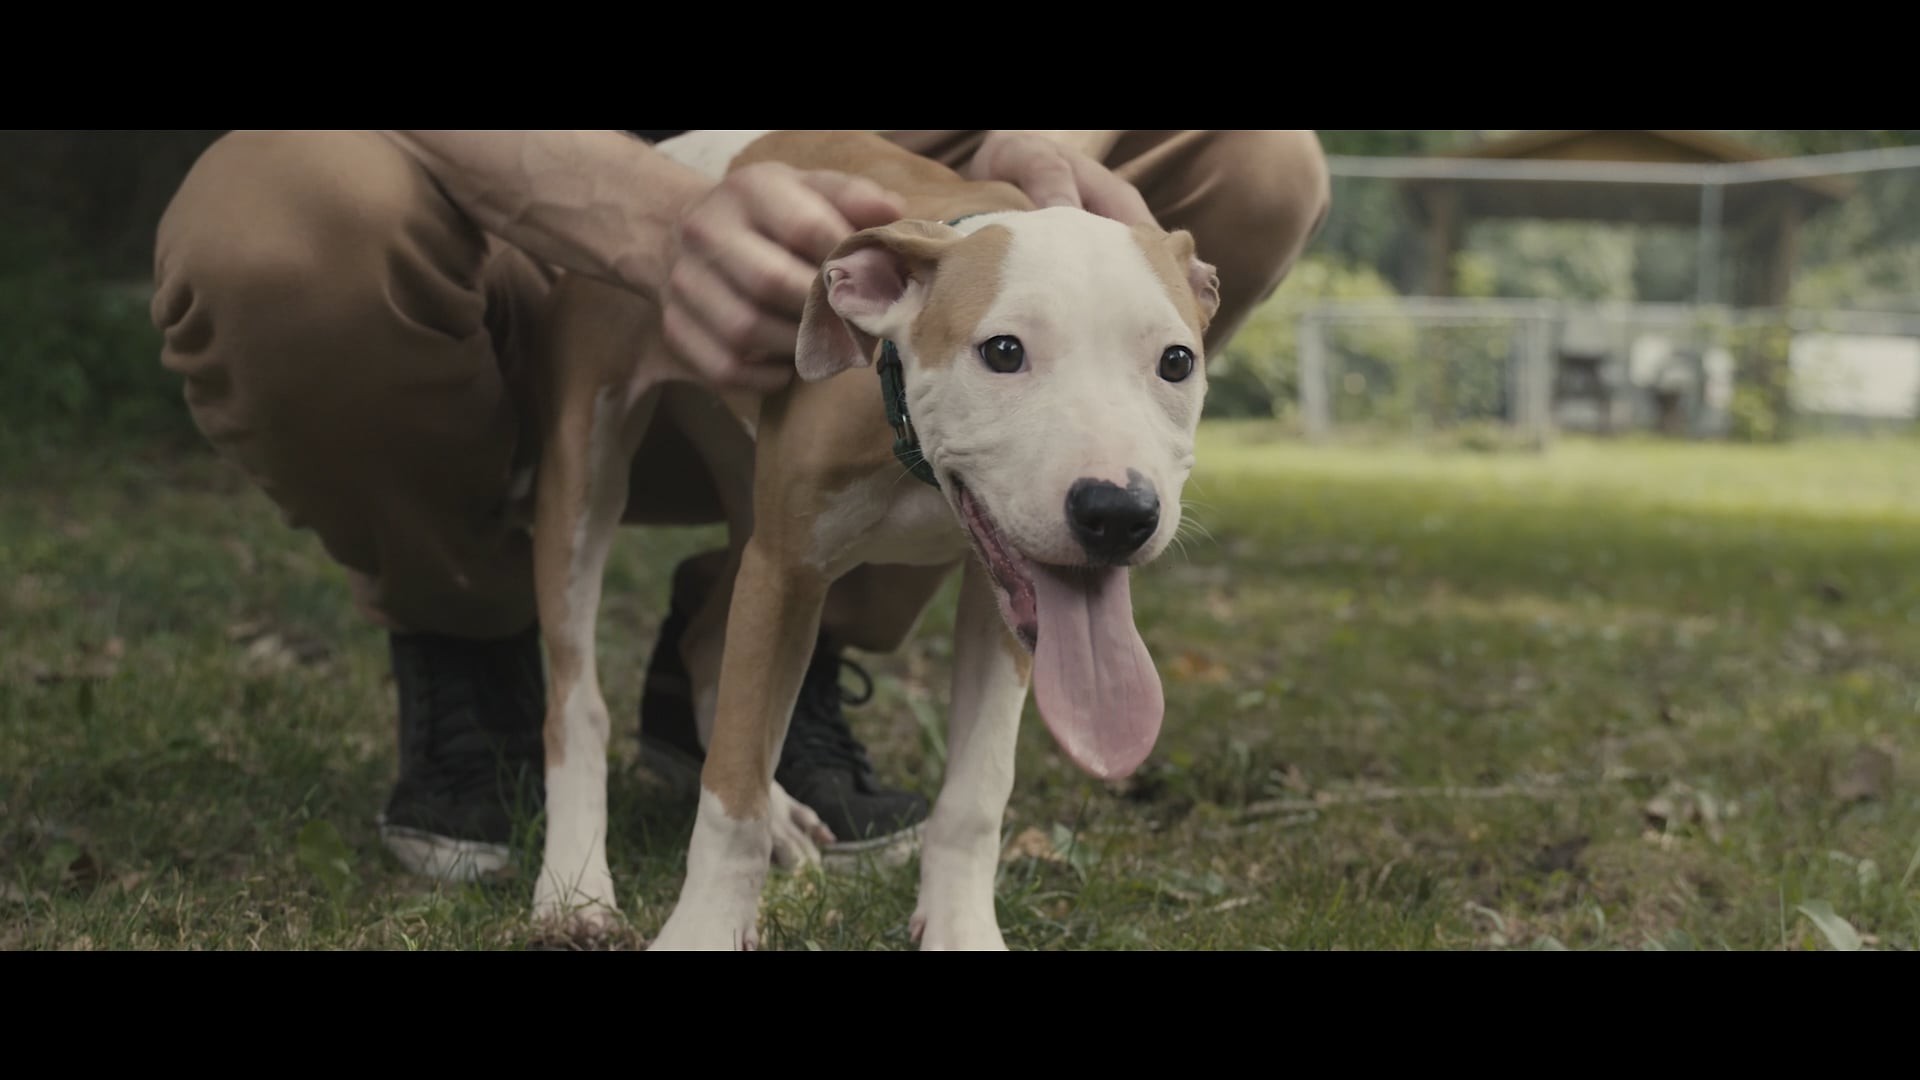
point(821, 764)
point(824, 767)
point(472, 764)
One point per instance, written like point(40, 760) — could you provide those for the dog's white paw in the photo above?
point(956, 931)
point(798, 833)
point(719, 905)
point(710, 924)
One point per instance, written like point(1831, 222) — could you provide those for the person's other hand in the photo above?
point(1053, 174)
point(743, 258)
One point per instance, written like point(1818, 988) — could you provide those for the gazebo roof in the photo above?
point(1625, 203)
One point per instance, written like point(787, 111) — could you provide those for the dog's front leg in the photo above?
point(961, 852)
point(582, 494)
point(771, 626)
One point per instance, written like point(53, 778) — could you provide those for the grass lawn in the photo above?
point(1630, 696)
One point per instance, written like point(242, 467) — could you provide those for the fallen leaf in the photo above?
point(1838, 931)
point(1191, 666)
point(267, 655)
point(1220, 908)
point(272, 653)
point(1679, 805)
point(1191, 888)
point(1498, 935)
point(1033, 844)
point(323, 853)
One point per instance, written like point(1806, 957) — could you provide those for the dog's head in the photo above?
point(1055, 374)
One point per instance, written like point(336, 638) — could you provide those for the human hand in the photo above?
point(743, 258)
point(1054, 174)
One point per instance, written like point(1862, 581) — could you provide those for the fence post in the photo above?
point(1521, 376)
point(1540, 381)
point(1707, 283)
point(1315, 419)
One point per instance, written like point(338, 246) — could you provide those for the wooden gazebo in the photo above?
point(1760, 221)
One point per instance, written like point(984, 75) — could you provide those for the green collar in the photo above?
point(893, 395)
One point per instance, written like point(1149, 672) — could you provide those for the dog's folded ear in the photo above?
point(870, 288)
point(1202, 277)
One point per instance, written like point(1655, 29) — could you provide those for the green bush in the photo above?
point(81, 361)
point(1258, 373)
point(1762, 406)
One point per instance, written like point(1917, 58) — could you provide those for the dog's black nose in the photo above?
point(1110, 521)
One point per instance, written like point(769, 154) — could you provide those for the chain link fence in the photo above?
point(1529, 298)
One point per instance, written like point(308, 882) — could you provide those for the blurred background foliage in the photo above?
point(78, 211)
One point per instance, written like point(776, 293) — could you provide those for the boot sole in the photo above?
point(443, 858)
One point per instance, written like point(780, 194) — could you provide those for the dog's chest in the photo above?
point(886, 518)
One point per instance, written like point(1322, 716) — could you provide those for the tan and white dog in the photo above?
point(1053, 373)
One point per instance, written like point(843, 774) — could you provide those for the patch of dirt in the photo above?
point(1563, 856)
point(1648, 888)
point(618, 939)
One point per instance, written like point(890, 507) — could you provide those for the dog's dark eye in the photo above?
point(1176, 363)
point(1004, 354)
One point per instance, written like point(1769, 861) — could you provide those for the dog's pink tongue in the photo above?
point(1092, 678)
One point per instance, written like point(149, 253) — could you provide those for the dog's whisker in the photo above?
point(1195, 531)
point(918, 456)
point(1189, 519)
point(1179, 545)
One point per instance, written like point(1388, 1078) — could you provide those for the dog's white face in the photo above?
point(1055, 375)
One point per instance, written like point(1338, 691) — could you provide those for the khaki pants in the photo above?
point(357, 345)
